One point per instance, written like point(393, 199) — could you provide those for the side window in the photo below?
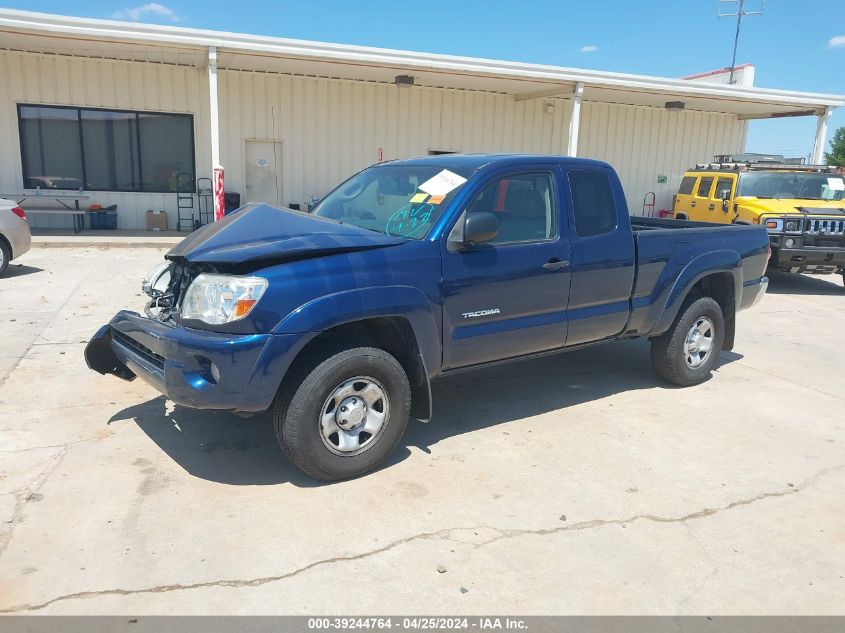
point(704, 187)
point(721, 185)
point(686, 185)
point(592, 203)
point(524, 206)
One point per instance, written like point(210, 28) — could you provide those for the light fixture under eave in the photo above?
point(403, 81)
point(674, 105)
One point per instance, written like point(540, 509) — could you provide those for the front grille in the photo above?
point(139, 350)
point(825, 226)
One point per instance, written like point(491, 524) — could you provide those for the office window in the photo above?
point(592, 203)
point(104, 150)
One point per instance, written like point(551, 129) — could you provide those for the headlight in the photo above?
point(793, 225)
point(157, 281)
point(774, 226)
point(216, 299)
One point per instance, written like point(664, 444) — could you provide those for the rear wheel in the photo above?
point(686, 354)
point(5, 256)
point(344, 416)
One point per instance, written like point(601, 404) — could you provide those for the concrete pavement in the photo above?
point(573, 484)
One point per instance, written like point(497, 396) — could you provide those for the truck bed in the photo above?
point(670, 253)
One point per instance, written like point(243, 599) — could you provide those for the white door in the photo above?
point(263, 172)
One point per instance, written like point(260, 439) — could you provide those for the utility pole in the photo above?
point(740, 12)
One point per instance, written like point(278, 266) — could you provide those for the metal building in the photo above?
point(120, 109)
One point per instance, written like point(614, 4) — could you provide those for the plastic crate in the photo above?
point(103, 220)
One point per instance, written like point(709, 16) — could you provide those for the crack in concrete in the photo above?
point(24, 495)
point(444, 534)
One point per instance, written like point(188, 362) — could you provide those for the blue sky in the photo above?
point(795, 44)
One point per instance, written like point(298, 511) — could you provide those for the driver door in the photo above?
point(508, 297)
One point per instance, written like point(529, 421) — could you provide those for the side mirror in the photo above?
point(473, 228)
point(725, 194)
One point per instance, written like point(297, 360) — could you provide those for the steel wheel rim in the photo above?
point(699, 342)
point(354, 416)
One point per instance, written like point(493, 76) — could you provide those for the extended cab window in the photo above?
point(686, 185)
point(524, 206)
point(704, 187)
point(592, 203)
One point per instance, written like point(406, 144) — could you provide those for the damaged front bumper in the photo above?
point(194, 368)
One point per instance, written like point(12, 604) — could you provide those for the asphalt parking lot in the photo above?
point(572, 484)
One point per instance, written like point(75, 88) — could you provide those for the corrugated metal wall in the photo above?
point(330, 128)
point(58, 80)
point(643, 143)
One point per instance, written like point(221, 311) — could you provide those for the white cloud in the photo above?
point(591, 48)
point(836, 41)
point(151, 10)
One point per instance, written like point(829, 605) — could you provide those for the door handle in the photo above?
point(692, 204)
point(712, 207)
point(556, 264)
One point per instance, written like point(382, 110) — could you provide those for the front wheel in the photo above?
point(686, 354)
point(345, 416)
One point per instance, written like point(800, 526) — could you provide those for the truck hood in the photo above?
point(263, 232)
point(785, 206)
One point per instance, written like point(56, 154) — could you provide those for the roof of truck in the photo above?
point(476, 161)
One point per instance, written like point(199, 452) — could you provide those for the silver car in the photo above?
point(15, 238)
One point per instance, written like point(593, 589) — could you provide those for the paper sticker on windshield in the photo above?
point(442, 183)
point(836, 184)
point(436, 199)
point(420, 197)
point(409, 220)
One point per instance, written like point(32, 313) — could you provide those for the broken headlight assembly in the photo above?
point(217, 299)
point(156, 285)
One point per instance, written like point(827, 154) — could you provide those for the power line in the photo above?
point(740, 13)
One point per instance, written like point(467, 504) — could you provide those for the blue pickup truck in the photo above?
point(340, 318)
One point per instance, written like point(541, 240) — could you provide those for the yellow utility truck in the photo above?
point(802, 207)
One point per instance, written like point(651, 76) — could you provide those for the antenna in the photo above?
point(740, 12)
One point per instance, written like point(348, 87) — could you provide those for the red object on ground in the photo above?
point(666, 213)
point(219, 201)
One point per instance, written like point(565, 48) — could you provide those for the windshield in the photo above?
point(399, 200)
point(794, 185)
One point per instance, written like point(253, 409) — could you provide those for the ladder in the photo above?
point(185, 202)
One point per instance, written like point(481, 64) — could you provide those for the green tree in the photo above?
point(836, 155)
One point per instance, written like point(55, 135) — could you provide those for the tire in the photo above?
point(5, 256)
point(677, 355)
point(316, 397)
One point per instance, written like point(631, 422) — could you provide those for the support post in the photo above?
point(821, 136)
point(575, 120)
point(214, 134)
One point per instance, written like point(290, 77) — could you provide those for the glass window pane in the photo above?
point(166, 149)
point(686, 185)
point(592, 203)
point(52, 157)
point(524, 206)
point(704, 188)
point(110, 142)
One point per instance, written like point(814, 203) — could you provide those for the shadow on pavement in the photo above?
point(19, 270)
point(794, 284)
point(222, 447)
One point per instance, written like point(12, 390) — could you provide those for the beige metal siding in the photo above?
point(331, 128)
point(643, 143)
point(58, 80)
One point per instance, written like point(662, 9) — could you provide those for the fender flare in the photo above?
point(713, 262)
point(360, 304)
